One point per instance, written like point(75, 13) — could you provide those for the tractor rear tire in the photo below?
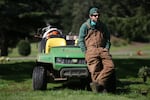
point(39, 78)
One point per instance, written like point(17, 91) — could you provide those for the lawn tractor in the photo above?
point(60, 61)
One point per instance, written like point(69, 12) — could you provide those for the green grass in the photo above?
point(23, 91)
point(16, 84)
point(16, 79)
point(131, 51)
point(132, 47)
point(65, 94)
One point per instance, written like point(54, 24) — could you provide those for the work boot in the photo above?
point(94, 87)
point(101, 89)
point(104, 91)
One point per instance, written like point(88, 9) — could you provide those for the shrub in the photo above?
point(144, 72)
point(24, 48)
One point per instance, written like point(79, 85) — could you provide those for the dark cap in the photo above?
point(93, 10)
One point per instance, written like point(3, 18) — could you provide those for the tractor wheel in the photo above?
point(39, 78)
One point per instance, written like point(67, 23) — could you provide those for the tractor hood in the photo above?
point(61, 51)
point(67, 52)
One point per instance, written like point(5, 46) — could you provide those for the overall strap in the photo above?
point(89, 31)
point(88, 26)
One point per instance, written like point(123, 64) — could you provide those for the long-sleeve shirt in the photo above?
point(84, 31)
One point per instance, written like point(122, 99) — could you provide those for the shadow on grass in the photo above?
point(72, 85)
point(126, 68)
point(17, 72)
point(124, 86)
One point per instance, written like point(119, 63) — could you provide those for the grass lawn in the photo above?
point(16, 84)
point(16, 78)
point(133, 50)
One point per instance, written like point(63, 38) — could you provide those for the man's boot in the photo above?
point(94, 87)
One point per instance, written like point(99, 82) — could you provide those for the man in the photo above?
point(94, 41)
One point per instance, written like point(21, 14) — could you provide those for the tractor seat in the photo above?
point(53, 42)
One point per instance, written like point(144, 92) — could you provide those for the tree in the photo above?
point(20, 18)
point(66, 15)
point(80, 13)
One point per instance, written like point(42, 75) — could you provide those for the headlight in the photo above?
point(74, 61)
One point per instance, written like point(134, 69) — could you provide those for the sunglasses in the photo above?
point(95, 15)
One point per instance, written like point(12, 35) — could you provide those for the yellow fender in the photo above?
point(53, 42)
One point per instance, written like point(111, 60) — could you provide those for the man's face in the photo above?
point(94, 17)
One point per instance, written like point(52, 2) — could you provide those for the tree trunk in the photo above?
point(4, 50)
point(4, 45)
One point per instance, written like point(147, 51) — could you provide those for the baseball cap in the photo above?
point(93, 10)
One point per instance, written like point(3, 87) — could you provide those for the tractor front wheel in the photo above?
point(39, 78)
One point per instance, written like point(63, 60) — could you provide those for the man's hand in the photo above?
point(105, 49)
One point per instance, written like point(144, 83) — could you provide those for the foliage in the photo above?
point(20, 19)
point(134, 28)
point(24, 48)
point(144, 72)
point(128, 19)
point(79, 14)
